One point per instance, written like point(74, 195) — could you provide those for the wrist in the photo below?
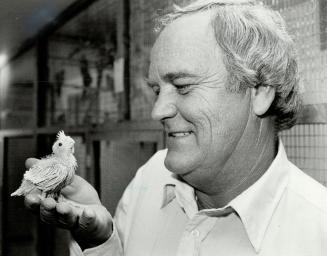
point(92, 240)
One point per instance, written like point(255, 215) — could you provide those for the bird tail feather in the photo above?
point(18, 192)
point(24, 189)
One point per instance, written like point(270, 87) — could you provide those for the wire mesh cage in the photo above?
point(306, 143)
point(83, 87)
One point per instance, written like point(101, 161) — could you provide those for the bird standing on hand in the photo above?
point(53, 172)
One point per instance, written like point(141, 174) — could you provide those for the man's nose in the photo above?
point(164, 107)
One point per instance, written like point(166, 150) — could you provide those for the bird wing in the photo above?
point(47, 178)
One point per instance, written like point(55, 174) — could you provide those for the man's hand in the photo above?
point(79, 211)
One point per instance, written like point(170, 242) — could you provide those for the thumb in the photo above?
point(30, 162)
point(80, 191)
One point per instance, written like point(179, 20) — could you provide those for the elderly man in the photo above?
point(225, 76)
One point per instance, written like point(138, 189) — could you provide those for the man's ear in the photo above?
point(262, 98)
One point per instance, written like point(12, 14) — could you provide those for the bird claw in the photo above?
point(41, 196)
point(60, 198)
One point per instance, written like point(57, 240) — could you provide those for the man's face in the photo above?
point(203, 120)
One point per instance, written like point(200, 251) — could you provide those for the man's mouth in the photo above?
point(179, 134)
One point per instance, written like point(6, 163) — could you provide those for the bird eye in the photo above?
point(60, 144)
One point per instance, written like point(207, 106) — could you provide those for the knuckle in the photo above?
point(47, 217)
point(49, 204)
point(65, 222)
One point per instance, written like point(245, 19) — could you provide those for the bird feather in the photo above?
point(52, 172)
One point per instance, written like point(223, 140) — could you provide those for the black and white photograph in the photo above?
point(163, 127)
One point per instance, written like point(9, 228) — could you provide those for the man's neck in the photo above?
point(250, 161)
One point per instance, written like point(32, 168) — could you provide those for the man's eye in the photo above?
point(156, 89)
point(183, 89)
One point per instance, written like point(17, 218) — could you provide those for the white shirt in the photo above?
point(283, 213)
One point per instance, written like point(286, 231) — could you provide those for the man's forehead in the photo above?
point(187, 32)
point(188, 43)
point(190, 25)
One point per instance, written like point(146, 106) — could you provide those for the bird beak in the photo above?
point(72, 149)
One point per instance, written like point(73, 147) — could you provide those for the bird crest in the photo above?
point(61, 136)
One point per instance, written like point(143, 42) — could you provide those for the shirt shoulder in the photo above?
point(308, 189)
point(154, 170)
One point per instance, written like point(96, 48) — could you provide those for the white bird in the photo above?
point(53, 172)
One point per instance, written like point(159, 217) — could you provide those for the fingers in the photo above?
point(48, 211)
point(66, 216)
point(30, 162)
point(32, 202)
point(61, 214)
point(90, 225)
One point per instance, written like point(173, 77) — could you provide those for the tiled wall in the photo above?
point(306, 147)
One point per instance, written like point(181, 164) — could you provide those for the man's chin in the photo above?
point(180, 165)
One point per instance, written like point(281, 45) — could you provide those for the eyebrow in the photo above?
point(171, 76)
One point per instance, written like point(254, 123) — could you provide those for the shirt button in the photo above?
point(195, 233)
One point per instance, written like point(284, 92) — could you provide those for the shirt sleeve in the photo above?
point(111, 247)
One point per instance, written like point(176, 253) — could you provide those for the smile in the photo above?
point(178, 134)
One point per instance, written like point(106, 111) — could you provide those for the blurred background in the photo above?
point(79, 66)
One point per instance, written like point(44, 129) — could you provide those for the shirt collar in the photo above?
point(255, 205)
point(184, 194)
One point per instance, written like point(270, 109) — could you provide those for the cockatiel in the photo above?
point(52, 172)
